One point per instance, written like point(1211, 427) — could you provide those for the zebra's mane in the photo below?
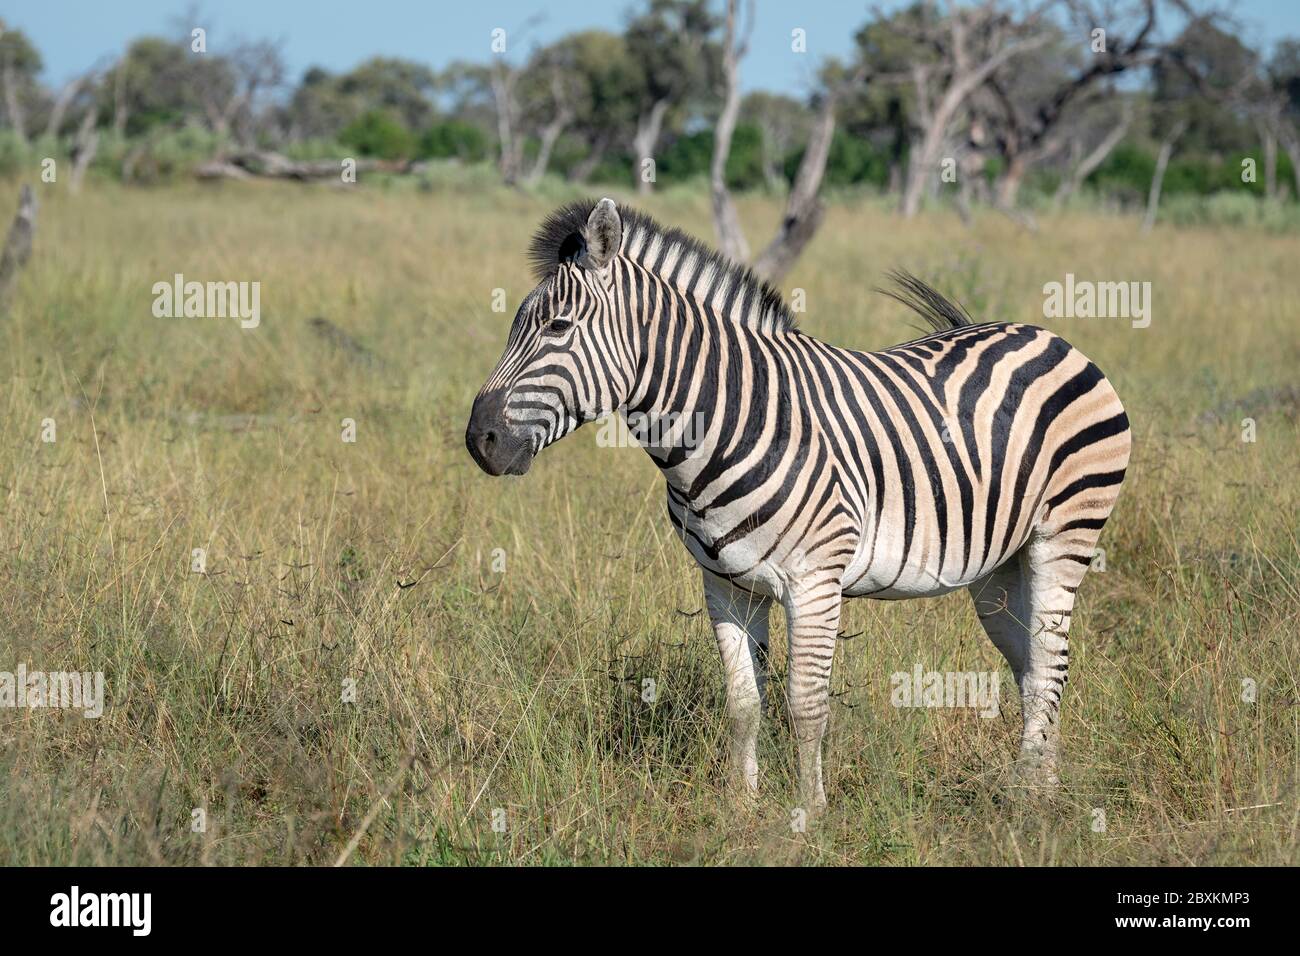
point(692, 264)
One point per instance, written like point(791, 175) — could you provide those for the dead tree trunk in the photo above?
point(731, 239)
point(1085, 167)
point(121, 109)
point(13, 103)
point(1291, 143)
point(84, 149)
point(503, 93)
point(803, 208)
point(1158, 177)
point(18, 245)
point(551, 132)
point(1269, 136)
point(550, 136)
point(1008, 185)
point(648, 128)
point(582, 170)
point(61, 104)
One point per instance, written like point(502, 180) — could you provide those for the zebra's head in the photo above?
point(568, 358)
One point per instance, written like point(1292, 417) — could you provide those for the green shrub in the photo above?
point(15, 155)
point(1235, 207)
point(161, 156)
point(378, 133)
point(454, 139)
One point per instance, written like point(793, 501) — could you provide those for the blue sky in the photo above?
point(73, 35)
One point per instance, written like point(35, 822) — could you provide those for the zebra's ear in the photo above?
point(604, 233)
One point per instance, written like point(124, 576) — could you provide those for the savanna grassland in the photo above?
point(498, 632)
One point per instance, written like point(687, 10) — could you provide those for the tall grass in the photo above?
point(499, 633)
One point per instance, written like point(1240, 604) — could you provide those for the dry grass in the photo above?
point(519, 691)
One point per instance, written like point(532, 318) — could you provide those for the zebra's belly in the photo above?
point(879, 570)
point(887, 581)
point(755, 564)
point(900, 589)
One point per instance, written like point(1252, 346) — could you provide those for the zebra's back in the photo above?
point(963, 444)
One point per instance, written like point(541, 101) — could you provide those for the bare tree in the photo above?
point(121, 101)
point(648, 127)
point(1158, 177)
point(1034, 101)
point(972, 43)
point(672, 42)
point(564, 115)
point(803, 210)
point(1266, 127)
point(259, 69)
point(582, 170)
point(731, 240)
point(1290, 140)
point(1083, 166)
point(228, 87)
point(503, 76)
point(63, 101)
point(84, 149)
point(782, 122)
point(803, 207)
point(1274, 104)
point(13, 99)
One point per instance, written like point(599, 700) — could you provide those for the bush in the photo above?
point(454, 139)
point(379, 134)
point(690, 157)
point(15, 156)
point(1128, 170)
point(1235, 207)
point(852, 161)
point(686, 157)
point(1126, 173)
point(158, 157)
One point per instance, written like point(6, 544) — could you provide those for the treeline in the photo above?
point(983, 102)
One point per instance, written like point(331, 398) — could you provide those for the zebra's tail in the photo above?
point(939, 312)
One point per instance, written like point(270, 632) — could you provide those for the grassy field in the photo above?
point(498, 632)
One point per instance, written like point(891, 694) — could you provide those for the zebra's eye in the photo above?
point(558, 326)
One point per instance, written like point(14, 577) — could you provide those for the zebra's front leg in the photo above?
point(813, 621)
point(740, 623)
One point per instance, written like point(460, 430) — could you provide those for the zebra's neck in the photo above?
point(705, 359)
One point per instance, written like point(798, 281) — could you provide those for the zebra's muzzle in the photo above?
point(496, 447)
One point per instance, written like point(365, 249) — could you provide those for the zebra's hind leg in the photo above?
point(1025, 607)
point(740, 623)
point(812, 622)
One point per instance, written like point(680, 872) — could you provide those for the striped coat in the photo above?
point(985, 457)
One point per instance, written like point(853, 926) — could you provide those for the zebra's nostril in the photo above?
point(489, 439)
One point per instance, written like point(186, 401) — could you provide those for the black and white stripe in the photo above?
point(981, 456)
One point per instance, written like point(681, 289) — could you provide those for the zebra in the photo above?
point(980, 456)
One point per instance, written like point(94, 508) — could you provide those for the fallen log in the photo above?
point(264, 164)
